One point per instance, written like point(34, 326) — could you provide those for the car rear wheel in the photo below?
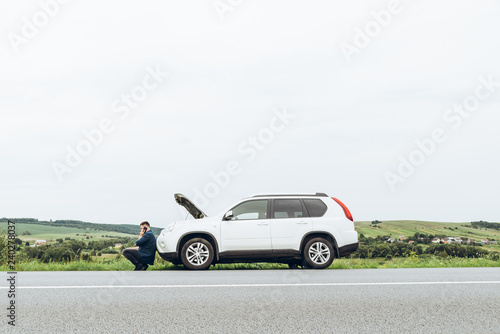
point(319, 253)
point(197, 254)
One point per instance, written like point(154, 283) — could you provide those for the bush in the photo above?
point(108, 251)
point(372, 248)
point(495, 256)
point(67, 251)
point(456, 251)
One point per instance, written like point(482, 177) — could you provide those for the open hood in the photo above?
point(189, 206)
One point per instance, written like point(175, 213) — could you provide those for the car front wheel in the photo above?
point(319, 253)
point(197, 254)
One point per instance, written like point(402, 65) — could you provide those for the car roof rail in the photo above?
point(300, 195)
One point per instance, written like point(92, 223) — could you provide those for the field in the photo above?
point(51, 233)
point(395, 228)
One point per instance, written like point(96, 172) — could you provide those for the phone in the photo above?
point(145, 229)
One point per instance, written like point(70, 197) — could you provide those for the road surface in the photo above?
point(447, 300)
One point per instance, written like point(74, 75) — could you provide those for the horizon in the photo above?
point(355, 221)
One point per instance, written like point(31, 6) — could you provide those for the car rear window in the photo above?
point(316, 207)
point(288, 208)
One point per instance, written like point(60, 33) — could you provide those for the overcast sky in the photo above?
point(220, 100)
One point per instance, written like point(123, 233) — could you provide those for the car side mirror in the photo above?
point(229, 215)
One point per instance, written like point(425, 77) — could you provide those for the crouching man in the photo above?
point(144, 255)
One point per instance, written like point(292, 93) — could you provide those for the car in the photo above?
point(299, 230)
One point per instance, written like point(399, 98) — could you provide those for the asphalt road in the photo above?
point(454, 300)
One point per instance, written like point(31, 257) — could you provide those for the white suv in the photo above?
point(300, 230)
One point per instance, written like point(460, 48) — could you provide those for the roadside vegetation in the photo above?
point(428, 245)
point(346, 263)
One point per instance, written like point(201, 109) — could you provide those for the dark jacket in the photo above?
point(147, 247)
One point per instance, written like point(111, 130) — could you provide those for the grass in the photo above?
point(97, 265)
point(413, 262)
point(124, 265)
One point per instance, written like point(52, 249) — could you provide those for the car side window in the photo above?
point(250, 210)
point(316, 207)
point(289, 208)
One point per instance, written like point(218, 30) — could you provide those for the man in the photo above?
point(143, 255)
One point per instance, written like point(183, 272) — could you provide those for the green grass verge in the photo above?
point(125, 265)
point(413, 262)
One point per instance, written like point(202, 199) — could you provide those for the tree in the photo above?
point(3, 247)
point(18, 241)
point(60, 241)
point(27, 244)
point(26, 232)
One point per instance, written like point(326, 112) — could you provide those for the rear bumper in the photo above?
point(348, 249)
point(171, 257)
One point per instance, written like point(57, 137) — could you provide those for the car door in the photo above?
point(248, 229)
point(289, 223)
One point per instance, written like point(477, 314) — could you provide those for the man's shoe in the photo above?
point(139, 267)
point(144, 267)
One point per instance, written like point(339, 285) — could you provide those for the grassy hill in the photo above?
point(61, 229)
point(51, 233)
point(395, 228)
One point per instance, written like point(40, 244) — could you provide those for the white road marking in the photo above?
point(251, 285)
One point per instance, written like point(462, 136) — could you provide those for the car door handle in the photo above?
point(302, 222)
point(262, 224)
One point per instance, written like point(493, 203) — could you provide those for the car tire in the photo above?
point(318, 253)
point(197, 254)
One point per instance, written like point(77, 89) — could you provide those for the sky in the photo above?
point(109, 109)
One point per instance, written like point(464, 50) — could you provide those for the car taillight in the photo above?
point(346, 210)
